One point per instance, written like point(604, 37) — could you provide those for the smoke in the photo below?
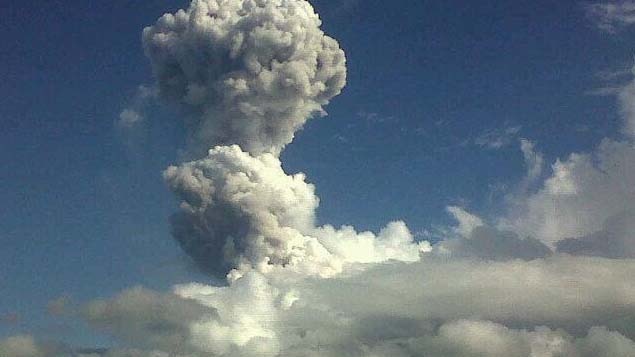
point(244, 212)
point(246, 72)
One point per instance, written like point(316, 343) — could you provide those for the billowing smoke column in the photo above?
point(237, 208)
point(244, 212)
point(246, 72)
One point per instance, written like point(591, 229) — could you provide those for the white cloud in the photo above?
point(135, 353)
point(466, 221)
point(626, 101)
point(129, 117)
point(474, 338)
point(460, 338)
point(601, 342)
point(485, 242)
point(145, 318)
point(20, 346)
point(583, 193)
point(420, 308)
point(616, 239)
point(567, 292)
point(533, 161)
point(27, 346)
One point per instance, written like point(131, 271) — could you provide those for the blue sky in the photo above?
point(438, 95)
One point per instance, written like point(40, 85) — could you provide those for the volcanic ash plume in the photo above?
point(241, 211)
point(246, 72)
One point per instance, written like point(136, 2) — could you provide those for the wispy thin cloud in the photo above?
point(611, 17)
point(133, 113)
point(348, 5)
point(497, 138)
point(609, 75)
point(604, 91)
point(612, 81)
point(374, 117)
point(621, 85)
